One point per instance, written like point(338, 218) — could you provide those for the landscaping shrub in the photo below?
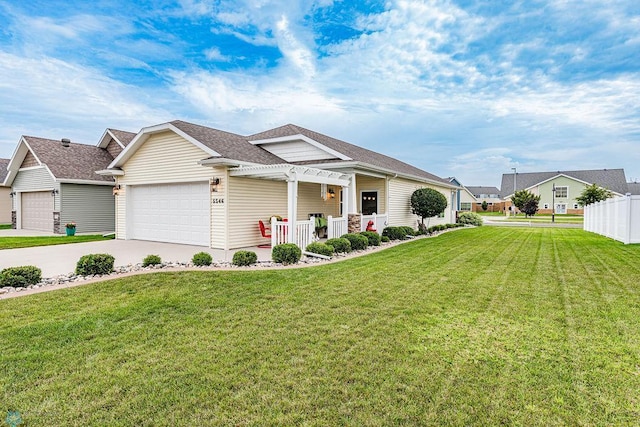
point(320, 248)
point(340, 245)
point(408, 231)
point(20, 276)
point(393, 233)
point(385, 239)
point(151, 260)
point(372, 237)
point(93, 264)
point(286, 253)
point(470, 218)
point(358, 241)
point(202, 259)
point(244, 258)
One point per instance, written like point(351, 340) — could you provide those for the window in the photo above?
point(561, 191)
point(369, 202)
point(575, 206)
point(545, 206)
point(341, 202)
point(465, 206)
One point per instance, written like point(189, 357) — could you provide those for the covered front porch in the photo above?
point(319, 204)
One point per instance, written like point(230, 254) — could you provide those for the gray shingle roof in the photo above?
point(613, 179)
point(478, 190)
point(228, 145)
point(632, 187)
point(123, 136)
point(75, 162)
point(3, 169)
point(358, 154)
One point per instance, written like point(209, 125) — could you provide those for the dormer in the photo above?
point(298, 148)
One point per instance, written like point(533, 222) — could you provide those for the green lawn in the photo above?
point(487, 326)
point(562, 219)
point(5, 226)
point(27, 242)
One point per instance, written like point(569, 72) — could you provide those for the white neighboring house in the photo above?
point(5, 194)
point(185, 183)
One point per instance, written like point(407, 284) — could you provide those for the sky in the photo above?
point(459, 88)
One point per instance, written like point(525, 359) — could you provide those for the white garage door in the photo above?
point(175, 213)
point(37, 211)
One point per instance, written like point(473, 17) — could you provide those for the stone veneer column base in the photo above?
point(354, 223)
point(14, 219)
point(56, 222)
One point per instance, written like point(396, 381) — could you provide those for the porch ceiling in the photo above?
point(292, 173)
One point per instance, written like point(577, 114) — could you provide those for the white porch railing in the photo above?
point(304, 232)
point(336, 227)
point(379, 222)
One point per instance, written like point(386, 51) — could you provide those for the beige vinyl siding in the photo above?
point(297, 151)
point(310, 201)
point(400, 191)
point(250, 200)
point(219, 208)
point(167, 158)
point(6, 205)
point(91, 207)
point(369, 183)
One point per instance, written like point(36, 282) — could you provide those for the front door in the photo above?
point(561, 208)
point(369, 202)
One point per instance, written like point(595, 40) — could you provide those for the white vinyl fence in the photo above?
point(617, 218)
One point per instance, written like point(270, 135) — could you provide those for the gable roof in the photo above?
point(358, 154)
point(77, 162)
point(633, 188)
point(613, 179)
point(122, 136)
point(478, 190)
point(4, 163)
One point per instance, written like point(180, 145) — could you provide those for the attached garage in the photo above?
point(174, 213)
point(37, 210)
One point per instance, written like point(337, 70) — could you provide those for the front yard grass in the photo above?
point(485, 326)
point(15, 242)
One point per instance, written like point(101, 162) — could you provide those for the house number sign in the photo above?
point(217, 201)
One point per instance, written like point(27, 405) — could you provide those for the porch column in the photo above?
point(292, 207)
point(352, 196)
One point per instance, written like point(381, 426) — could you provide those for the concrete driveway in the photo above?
point(62, 259)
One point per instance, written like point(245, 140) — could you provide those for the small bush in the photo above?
point(358, 241)
point(202, 259)
point(244, 258)
point(340, 245)
point(95, 264)
point(286, 253)
point(372, 237)
point(20, 276)
point(393, 233)
point(408, 231)
point(470, 218)
point(320, 248)
point(151, 260)
point(385, 239)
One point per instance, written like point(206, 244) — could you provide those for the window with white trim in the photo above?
point(576, 206)
point(562, 191)
point(465, 206)
point(545, 206)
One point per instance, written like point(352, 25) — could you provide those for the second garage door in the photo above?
point(175, 213)
point(37, 211)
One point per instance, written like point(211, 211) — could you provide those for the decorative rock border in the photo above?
point(72, 279)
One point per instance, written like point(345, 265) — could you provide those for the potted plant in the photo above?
point(71, 228)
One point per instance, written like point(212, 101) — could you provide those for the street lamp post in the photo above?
point(515, 180)
point(553, 203)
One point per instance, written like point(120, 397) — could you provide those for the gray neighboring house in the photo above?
point(54, 183)
point(633, 188)
point(5, 194)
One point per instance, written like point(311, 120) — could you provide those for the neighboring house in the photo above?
point(633, 188)
point(54, 183)
point(491, 195)
point(185, 183)
point(568, 186)
point(5, 194)
point(465, 199)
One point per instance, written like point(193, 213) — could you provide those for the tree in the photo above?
point(526, 202)
point(427, 202)
point(592, 194)
point(484, 205)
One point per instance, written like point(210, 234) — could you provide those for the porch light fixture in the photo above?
point(331, 193)
point(13, 193)
point(213, 183)
point(54, 192)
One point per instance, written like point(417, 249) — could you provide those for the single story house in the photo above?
point(465, 199)
point(54, 183)
point(185, 183)
point(568, 185)
point(488, 194)
point(5, 194)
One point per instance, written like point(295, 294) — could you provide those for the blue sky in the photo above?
point(459, 88)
